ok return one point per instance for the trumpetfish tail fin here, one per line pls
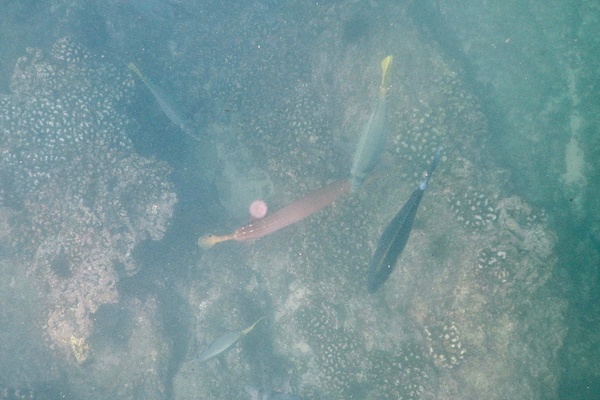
(208, 241)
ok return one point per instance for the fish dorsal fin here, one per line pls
(249, 329)
(385, 66)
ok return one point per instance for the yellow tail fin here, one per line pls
(385, 65)
(137, 71)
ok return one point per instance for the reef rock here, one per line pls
(457, 317)
(81, 199)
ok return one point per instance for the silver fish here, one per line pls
(224, 342)
(166, 105)
(374, 138)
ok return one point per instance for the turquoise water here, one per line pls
(106, 294)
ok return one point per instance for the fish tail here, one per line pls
(208, 241)
(247, 330)
(385, 67)
(137, 71)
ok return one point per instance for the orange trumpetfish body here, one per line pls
(292, 213)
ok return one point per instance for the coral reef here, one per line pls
(136, 365)
(337, 352)
(471, 310)
(444, 345)
(473, 208)
(425, 333)
(478, 259)
(402, 375)
(82, 199)
(493, 266)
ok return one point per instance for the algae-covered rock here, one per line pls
(479, 260)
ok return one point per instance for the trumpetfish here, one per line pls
(395, 236)
(374, 137)
(292, 213)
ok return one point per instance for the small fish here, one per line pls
(374, 138)
(395, 236)
(290, 214)
(260, 394)
(166, 104)
(224, 342)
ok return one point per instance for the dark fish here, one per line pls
(393, 240)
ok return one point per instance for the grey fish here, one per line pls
(166, 104)
(395, 236)
(260, 394)
(374, 138)
(224, 342)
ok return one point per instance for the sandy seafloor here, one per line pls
(494, 296)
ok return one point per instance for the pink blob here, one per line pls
(258, 209)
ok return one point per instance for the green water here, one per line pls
(495, 295)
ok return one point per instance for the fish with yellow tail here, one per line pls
(166, 104)
(290, 214)
(225, 342)
(374, 137)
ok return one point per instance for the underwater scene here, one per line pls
(299, 199)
